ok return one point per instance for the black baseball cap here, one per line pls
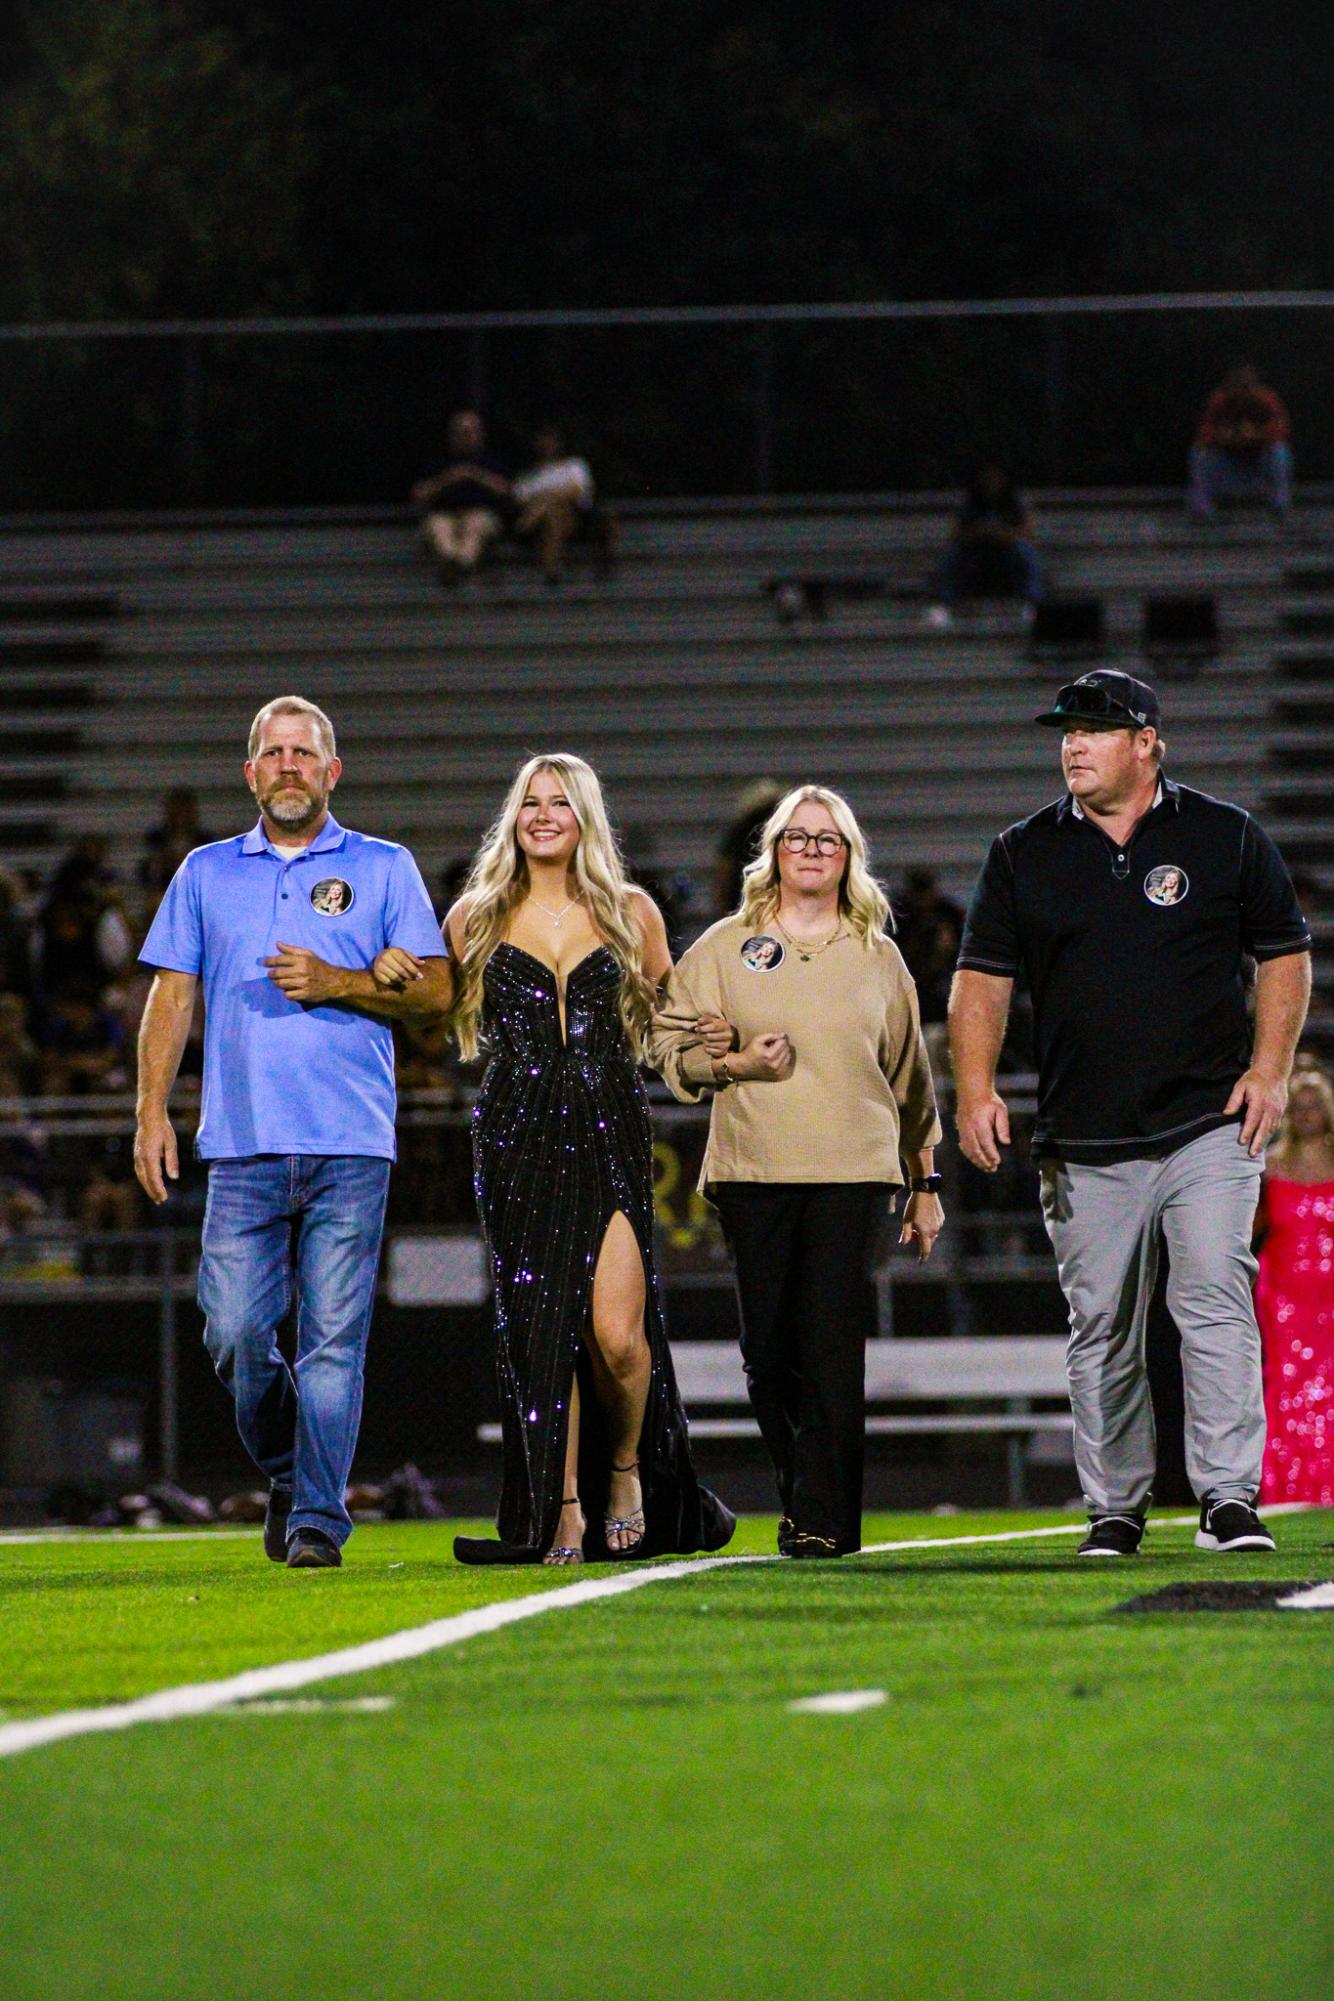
(1117, 701)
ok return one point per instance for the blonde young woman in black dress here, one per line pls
(556, 960)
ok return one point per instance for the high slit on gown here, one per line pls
(561, 1142)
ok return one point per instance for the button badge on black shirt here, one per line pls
(1166, 884)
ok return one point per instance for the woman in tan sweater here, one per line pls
(825, 1092)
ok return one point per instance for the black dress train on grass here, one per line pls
(561, 1142)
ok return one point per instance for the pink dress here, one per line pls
(1294, 1303)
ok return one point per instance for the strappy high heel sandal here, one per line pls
(632, 1524)
(561, 1555)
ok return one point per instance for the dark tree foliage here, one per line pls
(166, 158)
(148, 165)
(487, 153)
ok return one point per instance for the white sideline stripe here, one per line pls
(1320, 1598)
(839, 1702)
(203, 1698)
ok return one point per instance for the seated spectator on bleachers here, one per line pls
(20, 1061)
(110, 1198)
(467, 503)
(83, 932)
(928, 929)
(671, 892)
(177, 833)
(992, 553)
(450, 884)
(1241, 449)
(15, 936)
(557, 504)
(82, 1045)
(739, 840)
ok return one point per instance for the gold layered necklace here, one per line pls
(807, 948)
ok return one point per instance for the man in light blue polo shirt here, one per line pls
(283, 925)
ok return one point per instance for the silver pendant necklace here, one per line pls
(557, 916)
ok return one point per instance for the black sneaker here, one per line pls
(311, 1549)
(1226, 1525)
(1113, 1535)
(275, 1524)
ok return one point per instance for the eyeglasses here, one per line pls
(796, 840)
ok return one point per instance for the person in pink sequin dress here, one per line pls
(1294, 1297)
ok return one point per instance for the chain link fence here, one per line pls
(862, 397)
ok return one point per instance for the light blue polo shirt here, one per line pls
(280, 1077)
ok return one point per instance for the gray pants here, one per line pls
(1105, 1225)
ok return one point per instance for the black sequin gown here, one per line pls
(561, 1141)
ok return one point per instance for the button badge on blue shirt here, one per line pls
(332, 897)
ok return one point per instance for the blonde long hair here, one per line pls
(498, 882)
(861, 900)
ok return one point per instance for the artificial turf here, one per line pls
(614, 1799)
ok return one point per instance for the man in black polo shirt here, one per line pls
(1131, 906)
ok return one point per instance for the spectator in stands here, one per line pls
(20, 1062)
(739, 840)
(83, 1045)
(450, 884)
(110, 1198)
(1241, 449)
(555, 497)
(83, 931)
(168, 843)
(671, 892)
(22, 1211)
(467, 503)
(15, 936)
(992, 553)
(928, 928)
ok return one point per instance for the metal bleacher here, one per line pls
(132, 657)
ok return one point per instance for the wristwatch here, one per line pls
(927, 1184)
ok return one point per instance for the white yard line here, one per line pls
(1320, 1598)
(839, 1702)
(203, 1698)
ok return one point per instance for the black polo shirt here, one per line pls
(1134, 959)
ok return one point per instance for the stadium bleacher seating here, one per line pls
(132, 657)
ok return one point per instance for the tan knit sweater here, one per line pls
(861, 1092)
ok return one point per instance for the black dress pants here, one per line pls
(804, 1254)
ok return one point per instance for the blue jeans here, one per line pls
(325, 1214)
(1264, 474)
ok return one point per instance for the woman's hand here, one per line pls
(923, 1220)
(395, 968)
(717, 1035)
(765, 1059)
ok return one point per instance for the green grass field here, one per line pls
(614, 1799)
